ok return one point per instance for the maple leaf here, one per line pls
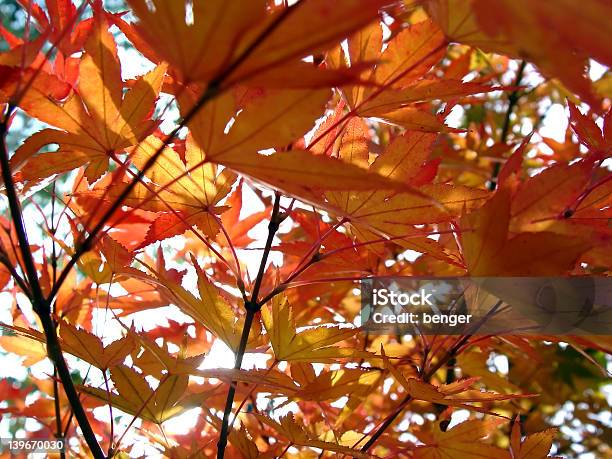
(458, 393)
(331, 385)
(78, 342)
(139, 296)
(211, 309)
(89, 347)
(23, 342)
(156, 360)
(515, 28)
(62, 17)
(474, 363)
(313, 344)
(488, 248)
(394, 215)
(534, 446)
(183, 193)
(288, 428)
(101, 267)
(135, 396)
(96, 122)
(268, 380)
(541, 199)
(232, 42)
(400, 78)
(464, 441)
(270, 118)
(239, 439)
(184, 198)
(596, 140)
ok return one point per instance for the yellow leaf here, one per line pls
(403, 158)
(534, 446)
(457, 394)
(97, 120)
(331, 385)
(376, 214)
(463, 441)
(270, 380)
(24, 343)
(100, 79)
(272, 119)
(543, 197)
(135, 107)
(313, 344)
(210, 310)
(89, 347)
(485, 232)
(240, 41)
(173, 184)
(410, 54)
(198, 48)
(240, 440)
(305, 175)
(136, 397)
(296, 434)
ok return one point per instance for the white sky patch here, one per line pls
(555, 123)
(455, 117)
(501, 364)
(596, 70)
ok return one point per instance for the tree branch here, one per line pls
(58, 412)
(39, 303)
(252, 307)
(513, 99)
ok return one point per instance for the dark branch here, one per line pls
(39, 303)
(252, 307)
(513, 99)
